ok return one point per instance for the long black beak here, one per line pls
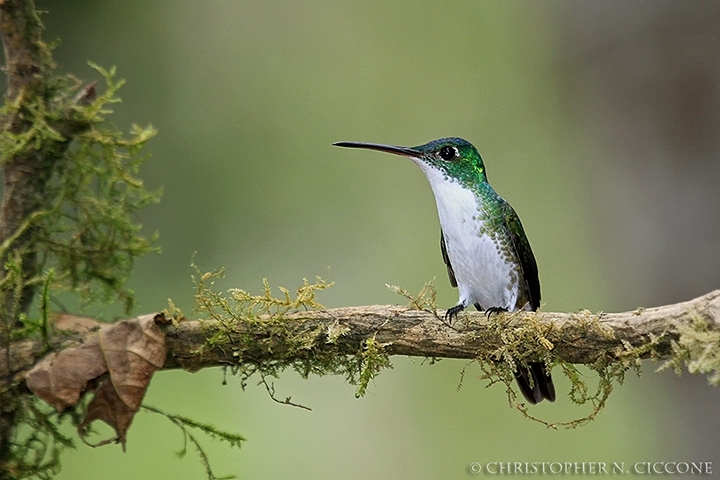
(404, 151)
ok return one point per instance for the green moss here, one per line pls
(82, 237)
(697, 349)
(38, 442)
(84, 227)
(373, 359)
(424, 300)
(274, 341)
(525, 338)
(91, 237)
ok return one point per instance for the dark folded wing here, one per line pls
(446, 259)
(524, 254)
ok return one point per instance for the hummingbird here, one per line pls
(483, 244)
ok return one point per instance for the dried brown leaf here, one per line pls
(60, 378)
(130, 351)
(107, 406)
(134, 350)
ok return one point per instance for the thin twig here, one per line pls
(271, 392)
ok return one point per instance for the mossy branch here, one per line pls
(683, 334)
(579, 338)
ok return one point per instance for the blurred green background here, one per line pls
(597, 121)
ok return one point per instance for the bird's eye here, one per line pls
(448, 153)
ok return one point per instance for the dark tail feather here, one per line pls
(542, 384)
(544, 380)
(531, 394)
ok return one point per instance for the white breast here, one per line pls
(483, 273)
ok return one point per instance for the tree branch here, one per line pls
(579, 338)
(582, 338)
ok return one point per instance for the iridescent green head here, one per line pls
(455, 158)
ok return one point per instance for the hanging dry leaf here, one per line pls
(134, 350)
(107, 406)
(130, 351)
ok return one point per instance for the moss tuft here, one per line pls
(424, 300)
(266, 341)
(697, 349)
(373, 359)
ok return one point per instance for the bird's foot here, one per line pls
(453, 312)
(495, 310)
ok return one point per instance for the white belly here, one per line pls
(484, 274)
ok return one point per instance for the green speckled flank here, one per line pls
(493, 208)
(493, 213)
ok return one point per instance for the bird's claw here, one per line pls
(495, 310)
(453, 312)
